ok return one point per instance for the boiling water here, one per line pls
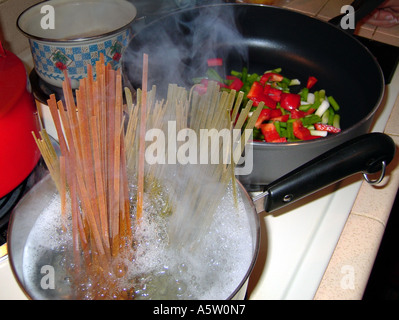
(212, 269)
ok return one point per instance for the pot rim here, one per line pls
(247, 198)
(78, 39)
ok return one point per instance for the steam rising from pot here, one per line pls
(180, 45)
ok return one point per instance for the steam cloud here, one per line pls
(179, 44)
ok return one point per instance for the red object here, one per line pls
(310, 111)
(256, 90)
(290, 101)
(273, 93)
(236, 84)
(117, 56)
(270, 133)
(60, 65)
(256, 94)
(297, 114)
(326, 127)
(283, 139)
(215, 62)
(300, 131)
(271, 76)
(268, 114)
(18, 151)
(2, 51)
(311, 82)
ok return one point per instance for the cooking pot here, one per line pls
(18, 151)
(262, 38)
(368, 154)
(70, 34)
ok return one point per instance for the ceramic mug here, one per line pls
(70, 34)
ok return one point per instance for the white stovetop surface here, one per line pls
(296, 242)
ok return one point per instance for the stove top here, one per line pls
(42, 89)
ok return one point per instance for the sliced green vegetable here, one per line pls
(333, 103)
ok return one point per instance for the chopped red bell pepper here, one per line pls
(311, 82)
(326, 127)
(310, 111)
(236, 84)
(269, 102)
(300, 131)
(283, 139)
(273, 93)
(313, 137)
(290, 101)
(256, 95)
(275, 113)
(267, 114)
(263, 116)
(269, 132)
(271, 76)
(215, 62)
(297, 114)
(256, 90)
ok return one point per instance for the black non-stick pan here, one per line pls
(263, 38)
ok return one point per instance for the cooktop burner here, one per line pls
(42, 89)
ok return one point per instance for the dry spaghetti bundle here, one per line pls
(90, 173)
(102, 175)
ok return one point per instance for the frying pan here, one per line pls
(263, 38)
(364, 154)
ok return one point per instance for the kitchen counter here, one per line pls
(324, 246)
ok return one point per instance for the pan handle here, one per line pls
(362, 154)
(362, 9)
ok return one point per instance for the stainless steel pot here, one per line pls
(368, 154)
